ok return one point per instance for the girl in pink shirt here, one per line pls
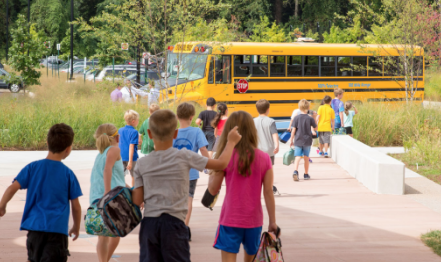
(219, 121)
(241, 218)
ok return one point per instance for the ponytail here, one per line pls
(348, 105)
(221, 111)
(104, 136)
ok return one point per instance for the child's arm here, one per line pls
(269, 200)
(215, 182)
(76, 215)
(222, 162)
(204, 152)
(276, 143)
(7, 196)
(215, 132)
(355, 109)
(290, 123)
(332, 124)
(291, 139)
(341, 119)
(138, 196)
(317, 119)
(112, 155)
(313, 131)
(131, 152)
(198, 121)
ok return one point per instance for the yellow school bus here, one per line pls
(239, 74)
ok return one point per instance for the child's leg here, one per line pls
(193, 184)
(297, 162)
(102, 249)
(210, 154)
(326, 147)
(306, 164)
(113, 244)
(228, 257)
(248, 258)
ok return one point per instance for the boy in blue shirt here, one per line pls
(338, 107)
(128, 141)
(191, 138)
(50, 186)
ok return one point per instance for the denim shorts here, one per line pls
(302, 150)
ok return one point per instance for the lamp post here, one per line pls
(7, 29)
(71, 37)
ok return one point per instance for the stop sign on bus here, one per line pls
(242, 86)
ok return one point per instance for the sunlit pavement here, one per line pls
(329, 218)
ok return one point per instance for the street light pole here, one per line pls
(71, 37)
(7, 29)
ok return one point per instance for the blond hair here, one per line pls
(348, 106)
(130, 115)
(303, 105)
(338, 91)
(104, 136)
(162, 124)
(153, 108)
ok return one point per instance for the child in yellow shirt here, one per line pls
(326, 123)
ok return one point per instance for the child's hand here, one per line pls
(314, 133)
(276, 150)
(234, 136)
(291, 143)
(75, 232)
(272, 227)
(129, 166)
(2, 211)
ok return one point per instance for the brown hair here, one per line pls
(348, 106)
(338, 91)
(303, 105)
(246, 146)
(221, 111)
(327, 99)
(162, 124)
(211, 101)
(262, 106)
(104, 135)
(153, 108)
(185, 111)
(59, 137)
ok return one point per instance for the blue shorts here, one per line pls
(302, 150)
(228, 239)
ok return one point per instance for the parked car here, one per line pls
(150, 75)
(121, 72)
(51, 61)
(14, 88)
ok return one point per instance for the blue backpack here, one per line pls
(285, 137)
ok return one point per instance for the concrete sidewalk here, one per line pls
(329, 218)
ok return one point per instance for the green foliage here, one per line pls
(348, 35)
(432, 239)
(312, 35)
(21, 43)
(263, 32)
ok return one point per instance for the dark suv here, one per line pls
(14, 88)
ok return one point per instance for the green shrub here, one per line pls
(433, 240)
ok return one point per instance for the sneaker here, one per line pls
(326, 155)
(206, 171)
(295, 176)
(310, 160)
(306, 177)
(320, 153)
(189, 234)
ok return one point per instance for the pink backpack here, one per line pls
(270, 249)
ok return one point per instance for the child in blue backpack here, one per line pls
(50, 187)
(107, 173)
(191, 138)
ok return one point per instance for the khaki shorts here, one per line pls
(325, 137)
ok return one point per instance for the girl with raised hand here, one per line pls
(107, 173)
(241, 218)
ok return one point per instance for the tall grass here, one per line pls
(432, 86)
(390, 125)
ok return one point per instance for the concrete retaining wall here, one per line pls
(379, 172)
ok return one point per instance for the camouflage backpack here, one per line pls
(119, 213)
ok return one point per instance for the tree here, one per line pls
(19, 60)
(407, 32)
(263, 32)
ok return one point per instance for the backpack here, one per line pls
(285, 137)
(119, 213)
(270, 249)
(289, 157)
(94, 223)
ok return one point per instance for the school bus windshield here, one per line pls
(186, 66)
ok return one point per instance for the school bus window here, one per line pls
(359, 66)
(260, 66)
(277, 66)
(375, 66)
(294, 65)
(242, 65)
(343, 66)
(392, 66)
(311, 66)
(328, 66)
(210, 71)
(418, 66)
(222, 69)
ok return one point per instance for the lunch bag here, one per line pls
(119, 213)
(288, 157)
(270, 249)
(208, 200)
(94, 223)
(285, 137)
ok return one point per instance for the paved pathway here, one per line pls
(330, 218)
